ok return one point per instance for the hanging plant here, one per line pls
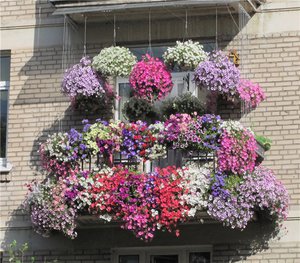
(184, 55)
(114, 61)
(251, 93)
(85, 88)
(218, 74)
(139, 109)
(237, 151)
(185, 103)
(150, 79)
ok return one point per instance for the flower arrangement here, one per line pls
(186, 55)
(149, 202)
(114, 61)
(150, 79)
(202, 134)
(251, 93)
(49, 210)
(139, 142)
(237, 151)
(82, 83)
(175, 126)
(185, 103)
(159, 200)
(139, 109)
(82, 80)
(218, 74)
(233, 199)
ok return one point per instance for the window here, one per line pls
(178, 254)
(183, 81)
(4, 93)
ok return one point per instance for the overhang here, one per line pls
(63, 7)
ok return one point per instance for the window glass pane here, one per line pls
(125, 94)
(199, 257)
(164, 259)
(129, 259)
(3, 123)
(4, 68)
(160, 49)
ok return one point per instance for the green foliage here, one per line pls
(232, 181)
(186, 103)
(17, 252)
(139, 109)
(264, 141)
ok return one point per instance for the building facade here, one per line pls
(40, 39)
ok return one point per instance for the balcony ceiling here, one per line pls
(98, 10)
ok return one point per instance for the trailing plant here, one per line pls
(85, 88)
(114, 61)
(139, 109)
(184, 55)
(251, 93)
(150, 79)
(237, 151)
(265, 142)
(185, 103)
(218, 74)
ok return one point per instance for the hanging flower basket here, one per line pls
(114, 61)
(218, 74)
(146, 202)
(150, 79)
(251, 93)
(184, 56)
(85, 88)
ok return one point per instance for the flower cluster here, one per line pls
(144, 202)
(150, 79)
(218, 74)
(237, 151)
(102, 137)
(114, 61)
(138, 141)
(202, 134)
(81, 80)
(175, 126)
(49, 209)
(233, 199)
(250, 93)
(186, 55)
(265, 192)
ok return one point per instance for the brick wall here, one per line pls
(274, 62)
(37, 108)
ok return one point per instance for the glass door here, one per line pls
(164, 259)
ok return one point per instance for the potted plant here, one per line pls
(218, 74)
(114, 61)
(84, 86)
(150, 79)
(184, 56)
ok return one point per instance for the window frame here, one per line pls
(176, 76)
(144, 253)
(5, 166)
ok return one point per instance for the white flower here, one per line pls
(114, 61)
(186, 54)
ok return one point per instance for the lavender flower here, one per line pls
(82, 80)
(218, 74)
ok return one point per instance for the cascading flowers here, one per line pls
(185, 55)
(218, 74)
(237, 151)
(114, 61)
(82, 83)
(251, 93)
(150, 79)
